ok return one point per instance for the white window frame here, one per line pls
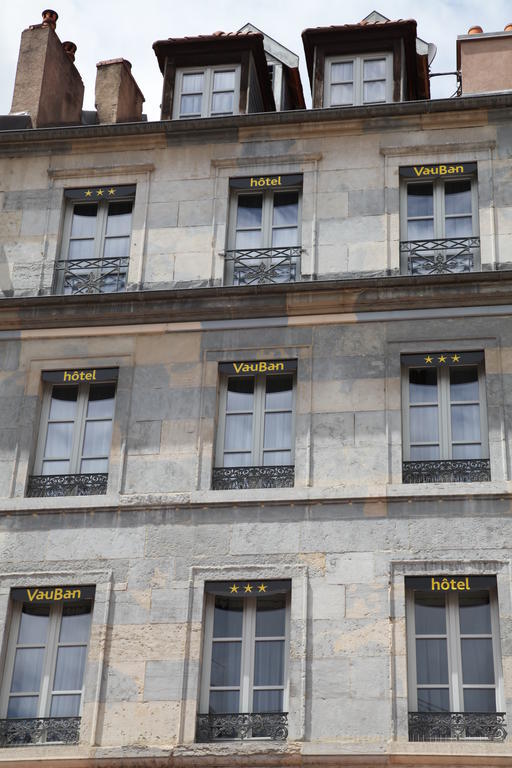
(207, 92)
(52, 646)
(443, 410)
(258, 420)
(357, 81)
(453, 638)
(79, 426)
(247, 654)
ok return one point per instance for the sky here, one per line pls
(109, 29)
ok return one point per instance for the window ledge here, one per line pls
(456, 726)
(18, 732)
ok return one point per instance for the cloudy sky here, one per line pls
(107, 29)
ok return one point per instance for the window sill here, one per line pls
(241, 726)
(18, 732)
(91, 484)
(242, 478)
(457, 726)
(447, 471)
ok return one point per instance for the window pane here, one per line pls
(192, 82)
(119, 221)
(431, 661)
(374, 69)
(278, 431)
(97, 438)
(28, 666)
(471, 451)
(342, 72)
(464, 384)
(374, 91)
(277, 458)
(55, 468)
(84, 220)
(278, 392)
(248, 239)
(475, 614)
(59, 439)
(465, 422)
(224, 81)
(479, 700)
(283, 238)
(238, 432)
(226, 663)
(238, 459)
(423, 385)
(223, 702)
(249, 211)
(457, 197)
(342, 94)
(240, 393)
(65, 706)
(80, 249)
(222, 103)
(286, 205)
(420, 201)
(94, 465)
(267, 701)
(477, 660)
(33, 624)
(430, 615)
(227, 620)
(270, 616)
(22, 706)
(101, 400)
(420, 229)
(424, 452)
(269, 662)
(69, 671)
(116, 248)
(423, 424)
(433, 700)
(190, 105)
(76, 620)
(459, 226)
(63, 402)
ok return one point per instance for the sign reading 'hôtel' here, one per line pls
(267, 181)
(78, 375)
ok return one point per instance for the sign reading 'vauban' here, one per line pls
(78, 375)
(259, 366)
(267, 181)
(443, 169)
(52, 594)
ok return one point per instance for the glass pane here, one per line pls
(342, 94)
(248, 239)
(267, 701)
(226, 663)
(278, 392)
(477, 660)
(277, 458)
(374, 91)
(190, 105)
(423, 424)
(249, 211)
(475, 614)
(22, 706)
(238, 459)
(116, 248)
(467, 451)
(69, 671)
(84, 220)
(423, 385)
(65, 706)
(55, 468)
(94, 465)
(222, 103)
(286, 206)
(80, 249)
(192, 82)
(227, 620)
(97, 438)
(465, 422)
(101, 400)
(119, 221)
(431, 661)
(240, 393)
(464, 384)
(433, 700)
(33, 624)
(430, 615)
(59, 439)
(479, 700)
(63, 402)
(374, 69)
(457, 197)
(224, 81)
(269, 662)
(424, 452)
(278, 431)
(223, 702)
(270, 616)
(284, 238)
(28, 666)
(420, 229)
(238, 432)
(420, 201)
(459, 226)
(342, 72)
(74, 627)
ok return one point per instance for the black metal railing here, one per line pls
(241, 478)
(39, 730)
(250, 266)
(236, 726)
(88, 484)
(447, 471)
(78, 276)
(454, 726)
(441, 256)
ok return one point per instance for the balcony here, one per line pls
(442, 256)
(455, 726)
(447, 471)
(39, 730)
(244, 478)
(258, 266)
(239, 726)
(67, 485)
(86, 276)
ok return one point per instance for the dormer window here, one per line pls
(357, 80)
(207, 92)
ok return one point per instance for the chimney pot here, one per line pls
(475, 30)
(508, 28)
(49, 18)
(70, 49)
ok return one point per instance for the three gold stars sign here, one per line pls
(442, 359)
(248, 587)
(92, 194)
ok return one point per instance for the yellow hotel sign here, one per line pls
(432, 171)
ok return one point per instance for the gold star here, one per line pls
(428, 359)
(234, 588)
(88, 193)
(99, 192)
(262, 588)
(455, 358)
(111, 191)
(442, 358)
(248, 588)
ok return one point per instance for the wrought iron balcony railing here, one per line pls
(255, 266)
(447, 471)
(39, 730)
(67, 485)
(442, 256)
(79, 276)
(264, 725)
(242, 478)
(454, 726)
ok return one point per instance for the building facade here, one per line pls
(256, 426)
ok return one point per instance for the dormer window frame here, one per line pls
(358, 80)
(208, 90)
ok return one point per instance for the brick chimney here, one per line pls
(484, 60)
(118, 97)
(48, 85)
